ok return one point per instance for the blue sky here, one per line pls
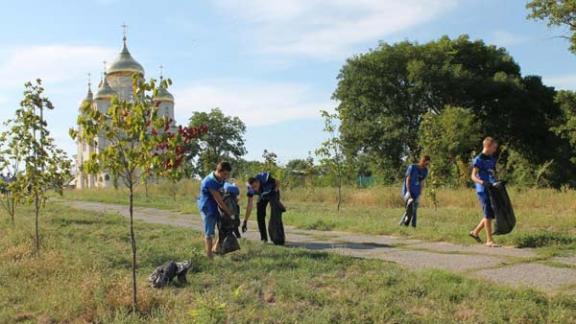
(273, 63)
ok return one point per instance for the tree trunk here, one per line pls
(12, 207)
(36, 225)
(146, 188)
(133, 243)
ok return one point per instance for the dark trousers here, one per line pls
(261, 218)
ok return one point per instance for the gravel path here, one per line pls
(508, 266)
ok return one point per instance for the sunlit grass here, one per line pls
(541, 213)
(82, 275)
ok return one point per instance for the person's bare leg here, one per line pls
(208, 243)
(489, 238)
(480, 226)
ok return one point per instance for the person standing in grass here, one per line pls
(210, 199)
(484, 176)
(268, 190)
(412, 187)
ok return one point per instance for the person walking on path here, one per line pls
(484, 176)
(268, 190)
(210, 199)
(412, 187)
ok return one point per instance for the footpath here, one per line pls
(508, 266)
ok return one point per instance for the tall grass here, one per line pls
(377, 210)
(83, 277)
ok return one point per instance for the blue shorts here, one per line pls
(210, 221)
(486, 205)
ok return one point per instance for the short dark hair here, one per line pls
(251, 180)
(224, 166)
(425, 158)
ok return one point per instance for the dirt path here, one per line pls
(508, 266)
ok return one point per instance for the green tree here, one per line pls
(225, 141)
(557, 13)
(44, 166)
(9, 166)
(330, 153)
(140, 140)
(567, 126)
(450, 138)
(385, 93)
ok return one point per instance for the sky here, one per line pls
(273, 63)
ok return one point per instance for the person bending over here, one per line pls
(210, 199)
(268, 190)
(413, 185)
(484, 176)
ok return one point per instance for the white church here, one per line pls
(116, 81)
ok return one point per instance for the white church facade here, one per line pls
(116, 82)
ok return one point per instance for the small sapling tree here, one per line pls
(139, 140)
(43, 165)
(330, 152)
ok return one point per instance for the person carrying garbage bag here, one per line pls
(412, 187)
(492, 195)
(268, 190)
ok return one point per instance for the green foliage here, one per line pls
(450, 138)
(556, 13)
(225, 141)
(567, 126)
(385, 93)
(38, 165)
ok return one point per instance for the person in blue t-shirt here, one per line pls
(268, 190)
(210, 199)
(413, 185)
(484, 176)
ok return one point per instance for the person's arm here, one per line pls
(276, 185)
(218, 197)
(408, 185)
(249, 207)
(422, 185)
(474, 176)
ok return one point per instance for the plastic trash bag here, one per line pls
(503, 211)
(275, 225)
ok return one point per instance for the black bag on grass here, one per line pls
(164, 274)
(503, 211)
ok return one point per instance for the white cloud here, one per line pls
(328, 28)
(53, 63)
(564, 82)
(256, 103)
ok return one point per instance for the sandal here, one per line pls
(475, 237)
(493, 245)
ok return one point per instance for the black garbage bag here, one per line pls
(503, 211)
(409, 213)
(164, 274)
(275, 225)
(227, 241)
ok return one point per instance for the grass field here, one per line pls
(546, 217)
(82, 275)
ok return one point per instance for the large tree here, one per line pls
(560, 13)
(450, 137)
(224, 141)
(384, 94)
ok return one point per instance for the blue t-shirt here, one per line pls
(486, 169)
(267, 185)
(206, 202)
(417, 175)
